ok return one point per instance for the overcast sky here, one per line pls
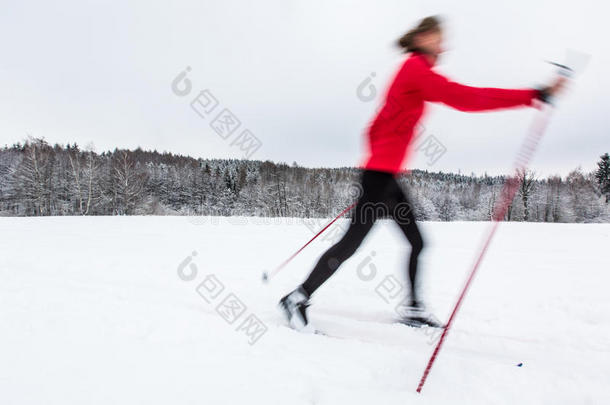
(101, 72)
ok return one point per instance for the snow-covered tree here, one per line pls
(602, 175)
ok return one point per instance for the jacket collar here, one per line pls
(423, 56)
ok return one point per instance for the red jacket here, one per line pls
(392, 129)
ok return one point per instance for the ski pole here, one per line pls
(268, 276)
(508, 192)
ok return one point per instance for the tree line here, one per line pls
(39, 179)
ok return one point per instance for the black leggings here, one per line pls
(381, 197)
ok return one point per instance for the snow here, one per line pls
(92, 310)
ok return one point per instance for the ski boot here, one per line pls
(415, 315)
(295, 306)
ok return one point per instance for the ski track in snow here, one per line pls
(93, 311)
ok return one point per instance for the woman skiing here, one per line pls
(389, 138)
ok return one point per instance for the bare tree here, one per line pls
(83, 176)
(553, 200)
(527, 180)
(128, 183)
(32, 177)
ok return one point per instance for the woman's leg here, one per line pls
(369, 207)
(403, 214)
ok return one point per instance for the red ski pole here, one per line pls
(508, 192)
(268, 276)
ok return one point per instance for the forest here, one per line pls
(39, 179)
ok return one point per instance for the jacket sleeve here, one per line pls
(438, 88)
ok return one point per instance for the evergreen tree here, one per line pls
(602, 175)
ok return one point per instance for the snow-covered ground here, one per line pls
(119, 310)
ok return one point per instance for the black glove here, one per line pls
(544, 94)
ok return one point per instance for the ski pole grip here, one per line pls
(563, 70)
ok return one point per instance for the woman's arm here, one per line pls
(438, 88)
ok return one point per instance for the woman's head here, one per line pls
(426, 37)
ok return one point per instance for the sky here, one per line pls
(100, 73)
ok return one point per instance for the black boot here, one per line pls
(414, 314)
(295, 308)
